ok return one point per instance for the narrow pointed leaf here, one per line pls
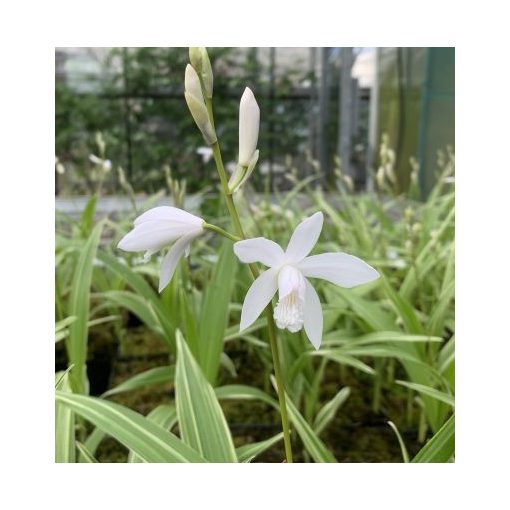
(148, 440)
(403, 449)
(65, 448)
(214, 312)
(442, 445)
(248, 452)
(148, 378)
(165, 416)
(79, 306)
(430, 392)
(201, 421)
(329, 410)
(313, 444)
(85, 454)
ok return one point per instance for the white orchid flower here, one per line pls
(298, 304)
(159, 227)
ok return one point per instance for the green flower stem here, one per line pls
(269, 309)
(219, 230)
(279, 382)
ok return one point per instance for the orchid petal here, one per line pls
(152, 236)
(304, 238)
(289, 280)
(313, 319)
(173, 256)
(338, 268)
(258, 297)
(171, 214)
(259, 249)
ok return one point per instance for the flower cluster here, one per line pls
(288, 271)
(298, 303)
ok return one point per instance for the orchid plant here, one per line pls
(298, 305)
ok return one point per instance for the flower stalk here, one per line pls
(271, 327)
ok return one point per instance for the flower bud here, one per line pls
(249, 120)
(195, 57)
(199, 59)
(196, 104)
(207, 74)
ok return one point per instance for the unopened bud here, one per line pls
(207, 74)
(195, 57)
(196, 104)
(249, 121)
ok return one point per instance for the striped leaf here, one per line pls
(214, 312)
(165, 416)
(442, 445)
(65, 448)
(150, 441)
(79, 306)
(151, 377)
(248, 452)
(201, 421)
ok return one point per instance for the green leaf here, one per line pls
(65, 448)
(430, 392)
(403, 308)
(370, 312)
(242, 392)
(390, 337)
(92, 443)
(214, 312)
(314, 446)
(403, 449)
(329, 410)
(148, 378)
(143, 290)
(441, 447)
(87, 217)
(135, 304)
(201, 420)
(248, 452)
(79, 306)
(85, 454)
(344, 359)
(165, 416)
(439, 312)
(148, 440)
(60, 325)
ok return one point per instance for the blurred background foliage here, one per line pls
(317, 104)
